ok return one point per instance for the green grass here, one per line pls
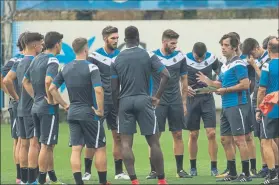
(63, 170)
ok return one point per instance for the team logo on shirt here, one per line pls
(174, 60)
(206, 63)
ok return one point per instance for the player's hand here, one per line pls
(185, 109)
(66, 107)
(98, 112)
(202, 78)
(50, 102)
(221, 91)
(258, 116)
(155, 101)
(191, 92)
(251, 60)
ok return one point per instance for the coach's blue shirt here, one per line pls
(270, 80)
(231, 73)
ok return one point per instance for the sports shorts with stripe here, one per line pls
(269, 128)
(14, 119)
(234, 120)
(84, 132)
(47, 128)
(133, 109)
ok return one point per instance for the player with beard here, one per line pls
(102, 58)
(172, 105)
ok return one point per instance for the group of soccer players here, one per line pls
(148, 88)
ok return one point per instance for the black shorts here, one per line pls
(251, 118)
(200, 106)
(139, 109)
(90, 133)
(175, 115)
(27, 128)
(269, 128)
(234, 121)
(47, 128)
(110, 116)
(14, 120)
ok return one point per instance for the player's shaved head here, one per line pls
(79, 44)
(199, 49)
(109, 30)
(273, 46)
(170, 34)
(266, 40)
(131, 33)
(249, 45)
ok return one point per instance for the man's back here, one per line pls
(43, 65)
(25, 100)
(133, 67)
(80, 77)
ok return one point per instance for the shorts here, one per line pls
(257, 126)
(14, 120)
(110, 116)
(90, 133)
(47, 128)
(27, 128)
(251, 118)
(175, 115)
(269, 128)
(234, 121)
(200, 106)
(139, 109)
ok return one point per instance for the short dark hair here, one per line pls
(234, 42)
(248, 45)
(20, 43)
(32, 37)
(235, 34)
(273, 46)
(52, 38)
(170, 34)
(266, 40)
(109, 30)
(131, 33)
(78, 44)
(199, 48)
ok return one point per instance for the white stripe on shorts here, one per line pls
(98, 134)
(51, 129)
(264, 128)
(242, 121)
(14, 123)
(155, 124)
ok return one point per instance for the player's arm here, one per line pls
(3, 87)
(8, 82)
(115, 86)
(99, 91)
(57, 82)
(52, 70)
(242, 76)
(158, 67)
(263, 83)
(216, 66)
(252, 62)
(184, 83)
(26, 83)
(202, 78)
(4, 71)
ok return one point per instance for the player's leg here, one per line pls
(88, 158)
(270, 129)
(176, 124)
(94, 138)
(161, 116)
(118, 161)
(237, 117)
(23, 153)
(276, 155)
(209, 119)
(192, 123)
(77, 143)
(226, 141)
(146, 118)
(127, 128)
